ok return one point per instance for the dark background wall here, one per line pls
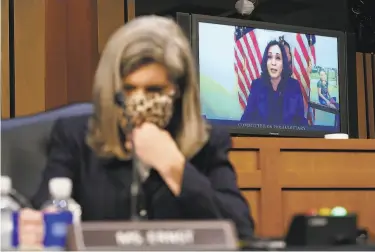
(323, 14)
(331, 14)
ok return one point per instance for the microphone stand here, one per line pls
(135, 188)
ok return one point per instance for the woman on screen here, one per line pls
(275, 97)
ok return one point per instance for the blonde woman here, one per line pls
(149, 62)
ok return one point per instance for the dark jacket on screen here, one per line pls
(281, 107)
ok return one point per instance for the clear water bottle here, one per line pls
(60, 190)
(8, 206)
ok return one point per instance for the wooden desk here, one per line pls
(283, 176)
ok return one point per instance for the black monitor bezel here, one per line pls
(342, 69)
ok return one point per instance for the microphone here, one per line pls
(136, 191)
(119, 99)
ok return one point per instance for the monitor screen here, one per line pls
(273, 80)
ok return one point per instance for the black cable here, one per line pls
(20, 199)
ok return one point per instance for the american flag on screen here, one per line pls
(247, 61)
(304, 59)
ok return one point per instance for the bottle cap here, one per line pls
(324, 211)
(6, 184)
(60, 188)
(339, 211)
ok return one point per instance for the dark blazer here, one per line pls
(283, 106)
(102, 186)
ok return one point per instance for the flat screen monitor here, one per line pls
(269, 79)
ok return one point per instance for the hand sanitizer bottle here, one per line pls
(8, 206)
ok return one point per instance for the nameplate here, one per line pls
(153, 235)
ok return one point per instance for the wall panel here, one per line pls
(253, 198)
(5, 102)
(56, 50)
(110, 18)
(361, 93)
(298, 174)
(57, 46)
(130, 7)
(246, 163)
(82, 52)
(370, 87)
(29, 56)
(55, 53)
(366, 94)
(316, 169)
(71, 51)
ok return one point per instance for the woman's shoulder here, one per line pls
(257, 82)
(219, 141)
(72, 128)
(219, 135)
(293, 83)
(215, 149)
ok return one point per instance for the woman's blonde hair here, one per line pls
(145, 38)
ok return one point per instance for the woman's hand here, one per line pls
(156, 148)
(331, 105)
(30, 229)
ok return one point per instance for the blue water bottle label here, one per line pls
(56, 229)
(34, 230)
